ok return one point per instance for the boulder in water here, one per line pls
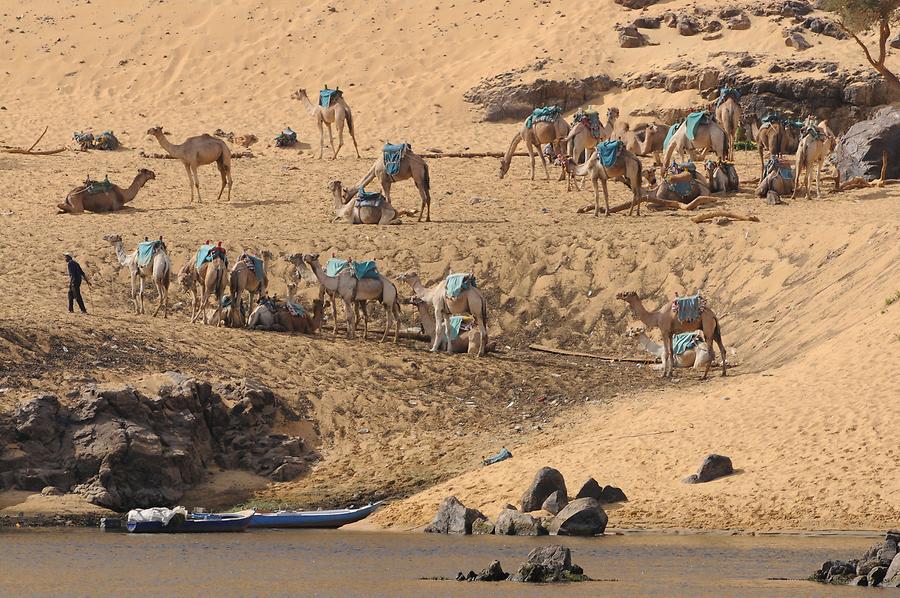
(453, 517)
(555, 502)
(514, 523)
(581, 517)
(546, 481)
(859, 150)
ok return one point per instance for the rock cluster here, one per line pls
(121, 449)
(544, 565)
(453, 517)
(879, 566)
(859, 151)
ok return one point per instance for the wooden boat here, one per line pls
(330, 519)
(195, 523)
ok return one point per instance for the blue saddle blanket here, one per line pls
(784, 170)
(669, 135)
(683, 188)
(683, 342)
(259, 268)
(457, 283)
(684, 167)
(503, 455)
(458, 325)
(203, 255)
(366, 269)
(326, 96)
(365, 199)
(146, 249)
(725, 93)
(608, 152)
(545, 114)
(295, 309)
(694, 120)
(393, 154)
(688, 308)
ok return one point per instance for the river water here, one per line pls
(83, 562)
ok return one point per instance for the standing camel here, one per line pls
(581, 138)
(213, 276)
(114, 198)
(728, 115)
(336, 114)
(707, 136)
(468, 301)
(411, 166)
(536, 136)
(189, 280)
(626, 165)
(666, 319)
(468, 340)
(159, 267)
(199, 151)
(814, 148)
(242, 278)
(768, 140)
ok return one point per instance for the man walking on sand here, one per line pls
(76, 275)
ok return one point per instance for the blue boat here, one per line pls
(195, 523)
(330, 519)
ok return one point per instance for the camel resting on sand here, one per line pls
(114, 198)
(468, 341)
(271, 315)
(626, 165)
(159, 268)
(666, 319)
(696, 357)
(411, 166)
(540, 134)
(336, 114)
(348, 209)
(722, 177)
(199, 151)
(243, 279)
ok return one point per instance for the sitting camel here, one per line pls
(199, 151)
(647, 141)
(270, 315)
(468, 340)
(213, 276)
(667, 191)
(351, 211)
(336, 114)
(539, 134)
(243, 279)
(722, 176)
(814, 147)
(666, 319)
(777, 179)
(693, 357)
(626, 165)
(469, 301)
(95, 198)
(709, 136)
(159, 267)
(411, 166)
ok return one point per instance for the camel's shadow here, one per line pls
(262, 202)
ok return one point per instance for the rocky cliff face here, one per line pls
(121, 449)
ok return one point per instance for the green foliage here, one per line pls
(861, 15)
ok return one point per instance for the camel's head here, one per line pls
(155, 131)
(147, 174)
(337, 190)
(627, 296)
(113, 238)
(414, 300)
(310, 258)
(612, 114)
(649, 175)
(408, 277)
(299, 94)
(504, 167)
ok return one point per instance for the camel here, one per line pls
(270, 315)
(347, 209)
(80, 200)
(537, 136)
(335, 114)
(768, 139)
(213, 275)
(646, 141)
(469, 301)
(242, 279)
(722, 176)
(580, 137)
(626, 165)
(708, 136)
(199, 151)
(666, 191)
(159, 269)
(814, 147)
(728, 115)
(775, 181)
(696, 357)
(668, 323)
(468, 341)
(352, 290)
(411, 166)
(188, 280)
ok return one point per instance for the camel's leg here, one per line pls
(353, 137)
(141, 296)
(438, 328)
(667, 352)
(351, 319)
(426, 201)
(331, 142)
(159, 291)
(196, 181)
(605, 194)
(543, 162)
(340, 131)
(389, 318)
(717, 336)
(397, 315)
(187, 168)
(321, 136)
(818, 177)
(225, 181)
(806, 182)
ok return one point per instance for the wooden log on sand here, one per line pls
(545, 349)
(665, 203)
(30, 151)
(724, 214)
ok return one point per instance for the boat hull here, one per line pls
(194, 525)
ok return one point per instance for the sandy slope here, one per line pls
(801, 295)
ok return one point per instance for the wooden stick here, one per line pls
(17, 150)
(28, 151)
(156, 156)
(471, 155)
(724, 214)
(545, 349)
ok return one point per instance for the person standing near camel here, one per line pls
(76, 275)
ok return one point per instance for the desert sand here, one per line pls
(807, 413)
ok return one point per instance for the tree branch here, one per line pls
(858, 41)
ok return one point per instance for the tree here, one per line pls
(860, 16)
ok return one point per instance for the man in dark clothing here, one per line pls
(76, 275)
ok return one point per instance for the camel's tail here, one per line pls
(426, 179)
(167, 276)
(349, 115)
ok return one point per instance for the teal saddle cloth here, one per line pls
(688, 308)
(366, 269)
(365, 199)
(683, 342)
(545, 114)
(694, 120)
(457, 283)
(608, 152)
(146, 249)
(393, 154)
(327, 96)
(205, 254)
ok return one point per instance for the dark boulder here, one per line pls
(824, 27)
(555, 502)
(611, 494)
(713, 26)
(482, 527)
(581, 517)
(859, 580)
(636, 3)
(546, 481)
(797, 41)
(630, 37)
(647, 22)
(741, 22)
(892, 575)
(590, 489)
(453, 517)
(514, 523)
(549, 564)
(876, 575)
(714, 466)
(688, 26)
(859, 150)
(493, 572)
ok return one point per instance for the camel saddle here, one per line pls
(457, 283)
(286, 138)
(393, 154)
(775, 165)
(685, 341)
(689, 308)
(694, 120)
(106, 141)
(460, 324)
(365, 199)
(590, 119)
(255, 264)
(146, 251)
(92, 187)
(545, 114)
(208, 253)
(84, 140)
(728, 92)
(608, 152)
(360, 270)
(295, 309)
(328, 96)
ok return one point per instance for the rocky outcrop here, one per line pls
(611, 494)
(581, 517)
(555, 502)
(514, 523)
(590, 489)
(795, 40)
(859, 150)
(121, 449)
(482, 527)
(824, 26)
(647, 22)
(546, 481)
(713, 467)
(878, 566)
(453, 517)
(549, 564)
(630, 37)
(635, 4)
